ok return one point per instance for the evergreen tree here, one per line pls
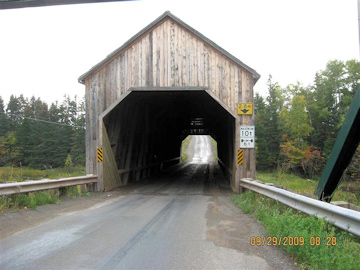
(40, 136)
(59, 135)
(15, 110)
(262, 151)
(333, 92)
(4, 119)
(78, 138)
(275, 102)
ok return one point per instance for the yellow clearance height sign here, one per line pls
(245, 108)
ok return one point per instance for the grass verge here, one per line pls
(36, 198)
(305, 186)
(214, 144)
(184, 146)
(19, 174)
(30, 200)
(324, 246)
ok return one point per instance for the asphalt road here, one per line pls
(181, 219)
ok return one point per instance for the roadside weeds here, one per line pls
(315, 243)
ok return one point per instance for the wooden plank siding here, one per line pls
(166, 55)
(179, 59)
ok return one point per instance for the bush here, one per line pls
(68, 161)
(34, 199)
(30, 200)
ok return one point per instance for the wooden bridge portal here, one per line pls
(166, 82)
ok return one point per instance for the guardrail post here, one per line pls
(56, 191)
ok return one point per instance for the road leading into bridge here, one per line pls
(181, 219)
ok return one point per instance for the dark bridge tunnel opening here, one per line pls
(145, 130)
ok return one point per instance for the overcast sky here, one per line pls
(44, 50)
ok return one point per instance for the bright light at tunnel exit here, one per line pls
(199, 149)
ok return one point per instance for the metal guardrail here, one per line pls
(29, 186)
(346, 219)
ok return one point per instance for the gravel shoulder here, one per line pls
(14, 221)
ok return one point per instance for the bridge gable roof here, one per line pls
(154, 24)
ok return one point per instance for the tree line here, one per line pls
(40, 136)
(296, 126)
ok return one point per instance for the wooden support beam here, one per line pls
(130, 145)
(111, 177)
(142, 151)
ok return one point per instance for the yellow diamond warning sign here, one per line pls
(245, 108)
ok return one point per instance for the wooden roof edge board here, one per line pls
(168, 14)
(14, 4)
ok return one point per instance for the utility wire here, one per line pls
(44, 121)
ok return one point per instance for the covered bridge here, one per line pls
(166, 82)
